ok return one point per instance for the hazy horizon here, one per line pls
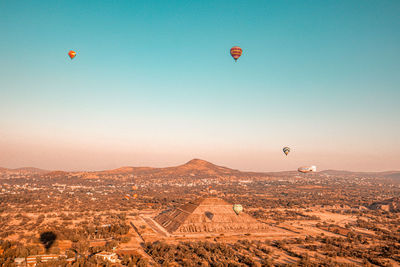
(153, 84)
(182, 163)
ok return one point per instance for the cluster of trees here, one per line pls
(134, 260)
(242, 253)
(67, 225)
(80, 251)
(12, 250)
(281, 216)
(114, 232)
(355, 246)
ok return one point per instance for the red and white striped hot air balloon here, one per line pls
(236, 52)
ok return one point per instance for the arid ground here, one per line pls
(182, 216)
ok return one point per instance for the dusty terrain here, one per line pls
(328, 218)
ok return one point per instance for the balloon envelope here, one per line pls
(72, 54)
(236, 52)
(307, 169)
(286, 150)
(237, 208)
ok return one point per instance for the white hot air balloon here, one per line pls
(307, 169)
(237, 208)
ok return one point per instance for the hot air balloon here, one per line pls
(236, 52)
(127, 197)
(134, 196)
(286, 150)
(72, 54)
(307, 169)
(237, 208)
(134, 187)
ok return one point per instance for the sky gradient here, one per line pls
(153, 84)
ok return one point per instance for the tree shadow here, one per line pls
(47, 239)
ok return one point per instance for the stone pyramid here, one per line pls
(207, 215)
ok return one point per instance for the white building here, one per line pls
(109, 256)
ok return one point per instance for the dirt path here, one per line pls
(136, 244)
(155, 226)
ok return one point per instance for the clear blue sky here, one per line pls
(153, 83)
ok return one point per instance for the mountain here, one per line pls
(56, 173)
(380, 174)
(199, 167)
(24, 170)
(195, 167)
(336, 172)
(31, 170)
(126, 170)
(394, 175)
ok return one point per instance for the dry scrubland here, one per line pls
(322, 219)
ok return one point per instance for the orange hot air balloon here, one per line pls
(236, 52)
(72, 54)
(135, 196)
